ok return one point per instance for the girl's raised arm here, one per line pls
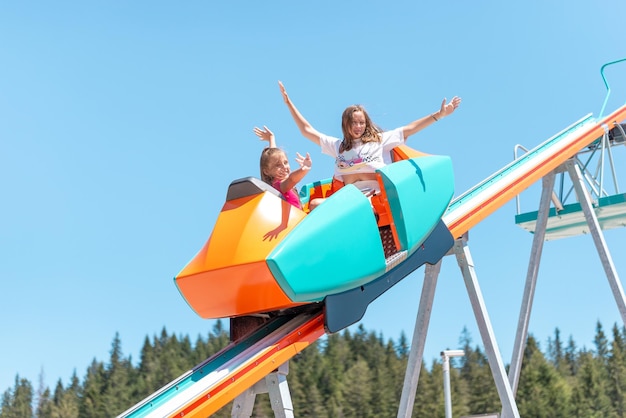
(303, 125)
(446, 110)
(266, 135)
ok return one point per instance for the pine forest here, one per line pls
(351, 374)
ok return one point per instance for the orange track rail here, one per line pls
(254, 370)
(475, 214)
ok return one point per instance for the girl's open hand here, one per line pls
(304, 162)
(265, 135)
(448, 108)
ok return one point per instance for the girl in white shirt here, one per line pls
(364, 147)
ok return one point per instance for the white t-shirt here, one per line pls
(363, 157)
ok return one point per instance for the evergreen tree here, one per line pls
(357, 393)
(350, 375)
(65, 402)
(556, 352)
(69, 404)
(601, 343)
(92, 404)
(169, 359)
(44, 404)
(147, 372)
(421, 399)
(617, 373)
(403, 348)
(542, 392)
(5, 405)
(482, 394)
(118, 390)
(43, 395)
(23, 398)
(589, 397)
(429, 395)
(356, 343)
(387, 381)
(380, 360)
(18, 403)
(337, 358)
(218, 339)
(571, 358)
(305, 371)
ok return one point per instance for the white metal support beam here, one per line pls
(416, 354)
(531, 282)
(598, 237)
(584, 198)
(276, 385)
(466, 264)
(411, 378)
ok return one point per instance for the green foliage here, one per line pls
(617, 372)
(542, 391)
(590, 397)
(18, 402)
(350, 375)
(482, 396)
(429, 395)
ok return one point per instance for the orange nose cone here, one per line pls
(229, 275)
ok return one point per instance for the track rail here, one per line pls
(482, 200)
(212, 384)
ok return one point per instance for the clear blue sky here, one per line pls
(122, 124)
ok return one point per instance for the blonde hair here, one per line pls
(266, 157)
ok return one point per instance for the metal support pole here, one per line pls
(445, 361)
(466, 265)
(531, 281)
(416, 354)
(278, 390)
(598, 237)
(275, 384)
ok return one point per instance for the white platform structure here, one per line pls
(594, 210)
